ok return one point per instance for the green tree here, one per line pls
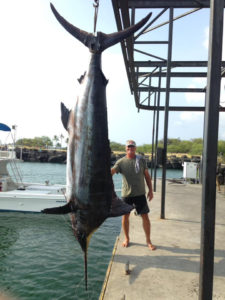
(221, 147)
(55, 139)
(145, 148)
(117, 146)
(196, 149)
(197, 141)
(39, 142)
(61, 138)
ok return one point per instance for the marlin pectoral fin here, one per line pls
(61, 210)
(65, 113)
(119, 207)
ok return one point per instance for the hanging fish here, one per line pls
(90, 192)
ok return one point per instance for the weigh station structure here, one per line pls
(152, 78)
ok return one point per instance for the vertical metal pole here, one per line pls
(153, 136)
(157, 130)
(210, 150)
(166, 117)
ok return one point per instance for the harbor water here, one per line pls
(39, 256)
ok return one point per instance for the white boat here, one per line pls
(17, 196)
(26, 197)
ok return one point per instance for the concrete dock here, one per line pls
(171, 271)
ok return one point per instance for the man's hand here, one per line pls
(150, 195)
(149, 184)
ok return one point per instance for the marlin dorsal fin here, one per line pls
(65, 113)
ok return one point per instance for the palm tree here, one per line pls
(61, 138)
(55, 139)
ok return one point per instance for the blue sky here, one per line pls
(40, 63)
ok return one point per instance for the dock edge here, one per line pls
(104, 286)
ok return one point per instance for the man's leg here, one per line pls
(125, 226)
(147, 229)
(218, 182)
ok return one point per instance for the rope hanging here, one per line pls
(96, 5)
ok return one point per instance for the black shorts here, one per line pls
(139, 203)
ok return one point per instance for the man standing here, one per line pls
(134, 173)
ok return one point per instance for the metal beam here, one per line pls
(177, 108)
(157, 132)
(174, 64)
(173, 74)
(168, 3)
(153, 135)
(172, 108)
(166, 116)
(177, 18)
(211, 124)
(123, 48)
(172, 90)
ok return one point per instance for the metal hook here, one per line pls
(96, 4)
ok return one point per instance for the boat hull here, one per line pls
(31, 200)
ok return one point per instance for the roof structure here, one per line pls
(146, 70)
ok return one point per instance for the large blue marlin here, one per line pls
(90, 192)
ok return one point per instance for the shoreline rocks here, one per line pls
(59, 156)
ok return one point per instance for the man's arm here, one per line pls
(149, 184)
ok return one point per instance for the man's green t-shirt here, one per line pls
(132, 170)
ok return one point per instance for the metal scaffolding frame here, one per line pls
(146, 83)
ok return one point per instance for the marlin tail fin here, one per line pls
(102, 41)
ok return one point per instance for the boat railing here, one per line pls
(10, 156)
(16, 172)
(7, 154)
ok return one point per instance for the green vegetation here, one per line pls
(117, 146)
(42, 142)
(191, 147)
(39, 142)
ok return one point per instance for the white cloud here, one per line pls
(40, 63)
(222, 125)
(206, 37)
(195, 98)
(200, 81)
(188, 116)
(177, 123)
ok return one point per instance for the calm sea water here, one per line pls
(39, 256)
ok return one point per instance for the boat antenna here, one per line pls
(14, 127)
(96, 5)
